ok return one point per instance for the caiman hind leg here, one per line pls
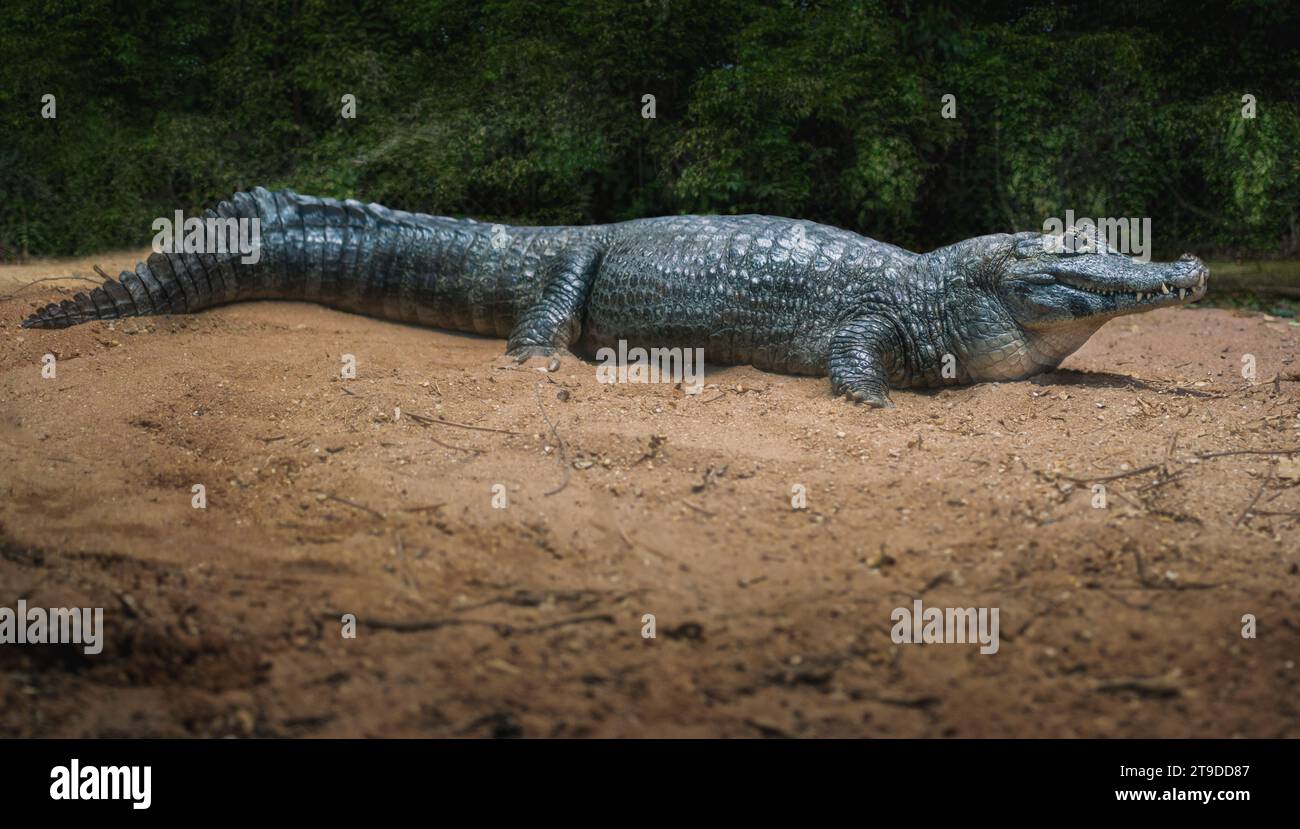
(554, 323)
(862, 354)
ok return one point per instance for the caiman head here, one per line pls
(1021, 303)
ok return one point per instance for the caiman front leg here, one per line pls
(554, 322)
(862, 354)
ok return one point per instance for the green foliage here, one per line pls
(530, 112)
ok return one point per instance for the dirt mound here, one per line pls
(375, 497)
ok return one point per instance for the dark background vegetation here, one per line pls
(531, 113)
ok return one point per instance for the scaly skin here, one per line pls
(778, 294)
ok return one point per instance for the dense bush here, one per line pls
(532, 112)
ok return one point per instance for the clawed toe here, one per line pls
(871, 397)
(524, 353)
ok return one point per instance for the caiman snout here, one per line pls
(1197, 267)
(1197, 274)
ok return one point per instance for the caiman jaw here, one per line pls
(1184, 281)
(1043, 289)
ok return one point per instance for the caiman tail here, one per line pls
(365, 258)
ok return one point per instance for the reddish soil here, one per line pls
(629, 500)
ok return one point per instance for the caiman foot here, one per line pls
(876, 398)
(861, 355)
(553, 356)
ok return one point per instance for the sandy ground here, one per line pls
(631, 500)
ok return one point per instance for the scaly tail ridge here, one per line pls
(165, 283)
